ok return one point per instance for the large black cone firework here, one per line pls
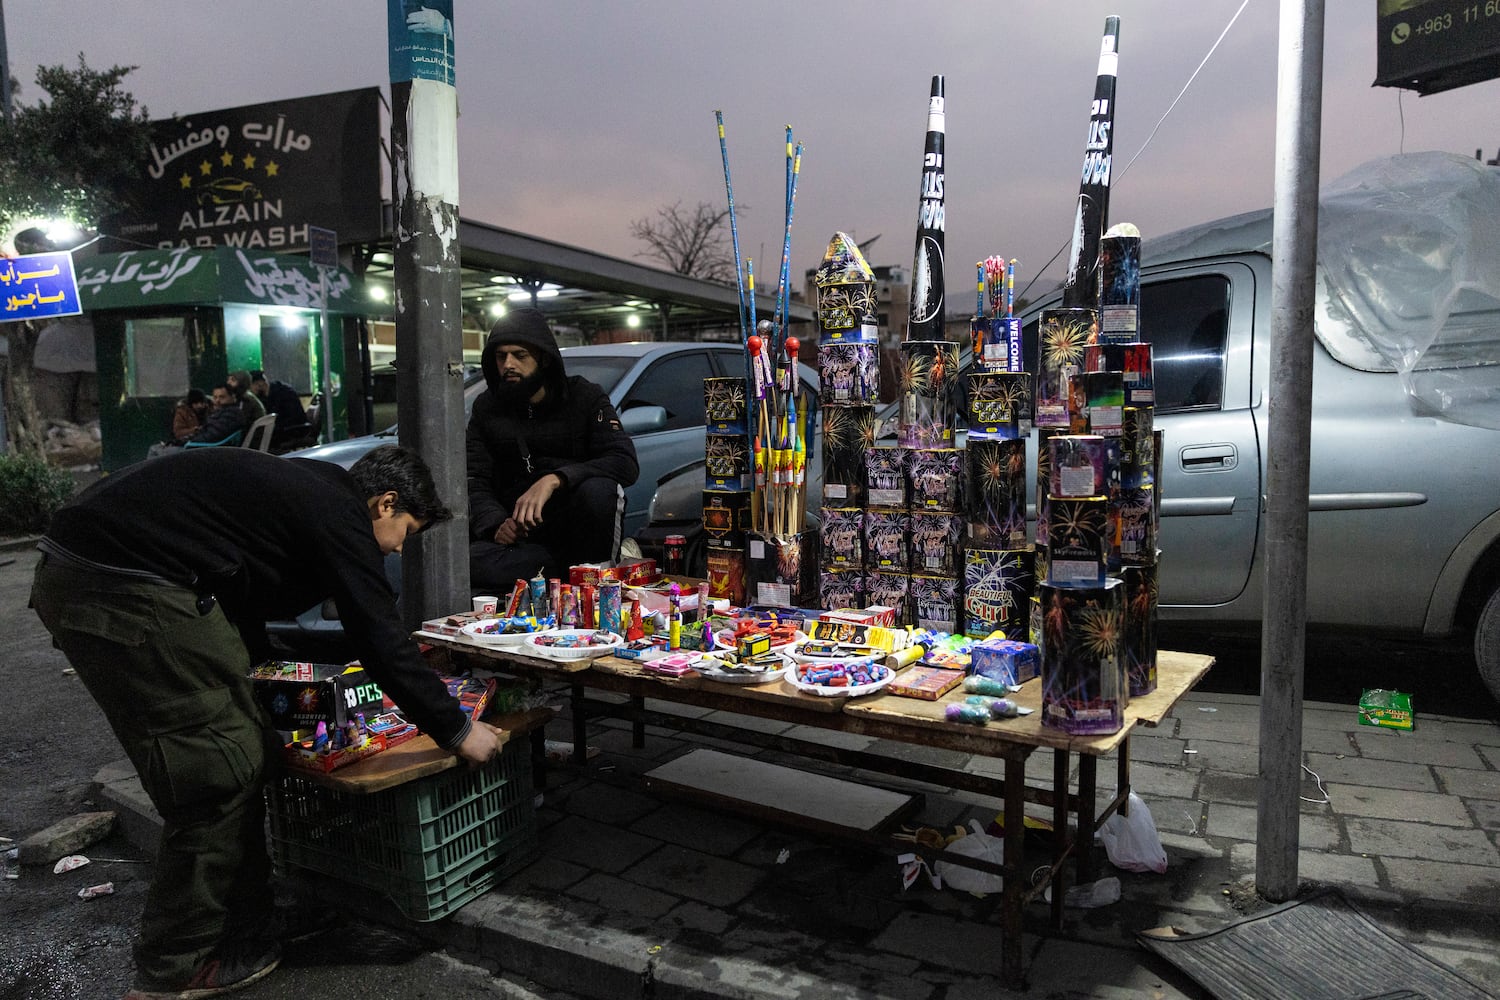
(925, 320)
(1081, 288)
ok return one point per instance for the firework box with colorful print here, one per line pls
(1388, 709)
(854, 634)
(1005, 660)
(300, 695)
(926, 683)
(782, 571)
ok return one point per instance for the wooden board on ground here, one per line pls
(783, 794)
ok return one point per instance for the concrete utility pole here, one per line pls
(1294, 249)
(4, 67)
(429, 319)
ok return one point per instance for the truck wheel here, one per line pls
(1487, 644)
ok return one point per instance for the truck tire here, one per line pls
(1487, 644)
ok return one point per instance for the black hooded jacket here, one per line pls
(573, 432)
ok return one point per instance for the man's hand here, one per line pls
(528, 509)
(510, 532)
(482, 743)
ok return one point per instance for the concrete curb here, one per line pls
(18, 543)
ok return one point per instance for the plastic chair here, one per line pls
(259, 434)
(230, 441)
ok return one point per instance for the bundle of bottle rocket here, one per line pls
(940, 532)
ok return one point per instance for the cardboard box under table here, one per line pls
(413, 824)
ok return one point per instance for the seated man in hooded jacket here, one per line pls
(547, 461)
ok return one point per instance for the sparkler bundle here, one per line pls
(767, 456)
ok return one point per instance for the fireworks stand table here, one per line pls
(905, 720)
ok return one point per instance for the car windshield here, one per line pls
(602, 370)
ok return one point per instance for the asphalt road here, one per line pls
(56, 946)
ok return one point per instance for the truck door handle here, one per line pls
(1209, 458)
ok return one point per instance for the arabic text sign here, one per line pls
(38, 285)
(421, 40)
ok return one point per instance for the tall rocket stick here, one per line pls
(1081, 288)
(925, 320)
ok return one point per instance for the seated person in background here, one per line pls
(223, 420)
(239, 384)
(189, 415)
(546, 459)
(282, 400)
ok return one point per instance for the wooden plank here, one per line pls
(416, 758)
(785, 794)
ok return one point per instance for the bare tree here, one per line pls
(691, 241)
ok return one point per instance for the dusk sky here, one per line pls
(577, 117)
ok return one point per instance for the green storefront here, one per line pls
(168, 320)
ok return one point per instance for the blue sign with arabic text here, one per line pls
(421, 40)
(38, 286)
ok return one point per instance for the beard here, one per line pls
(514, 395)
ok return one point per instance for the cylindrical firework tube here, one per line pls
(1079, 465)
(1120, 285)
(929, 393)
(1078, 541)
(609, 606)
(1083, 658)
(925, 320)
(995, 492)
(517, 603)
(1063, 335)
(1081, 287)
(538, 594)
(1140, 629)
(586, 607)
(999, 404)
(998, 584)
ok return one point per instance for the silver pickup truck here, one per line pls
(1404, 521)
(1404, 504)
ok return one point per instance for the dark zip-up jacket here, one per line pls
(573, 432)
(269, 538)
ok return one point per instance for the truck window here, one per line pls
(1187, 322)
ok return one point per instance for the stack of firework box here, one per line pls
(849, 388)
(1094, 615)
(728, 481)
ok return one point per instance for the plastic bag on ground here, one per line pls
(1131, 842)
(1090, 896)
(977, 844)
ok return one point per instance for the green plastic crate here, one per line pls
(430, 845)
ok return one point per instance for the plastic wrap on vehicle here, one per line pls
(1409, 279)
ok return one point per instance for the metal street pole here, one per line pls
(429, 320)
(4, 67)
(1294, 247)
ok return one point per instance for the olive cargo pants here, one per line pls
(170, 675)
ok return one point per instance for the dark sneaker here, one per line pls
(230, 968)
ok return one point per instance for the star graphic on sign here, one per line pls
(248, 161)
(205, 168)
(226, 158)
(186, 180)
(271, 168)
